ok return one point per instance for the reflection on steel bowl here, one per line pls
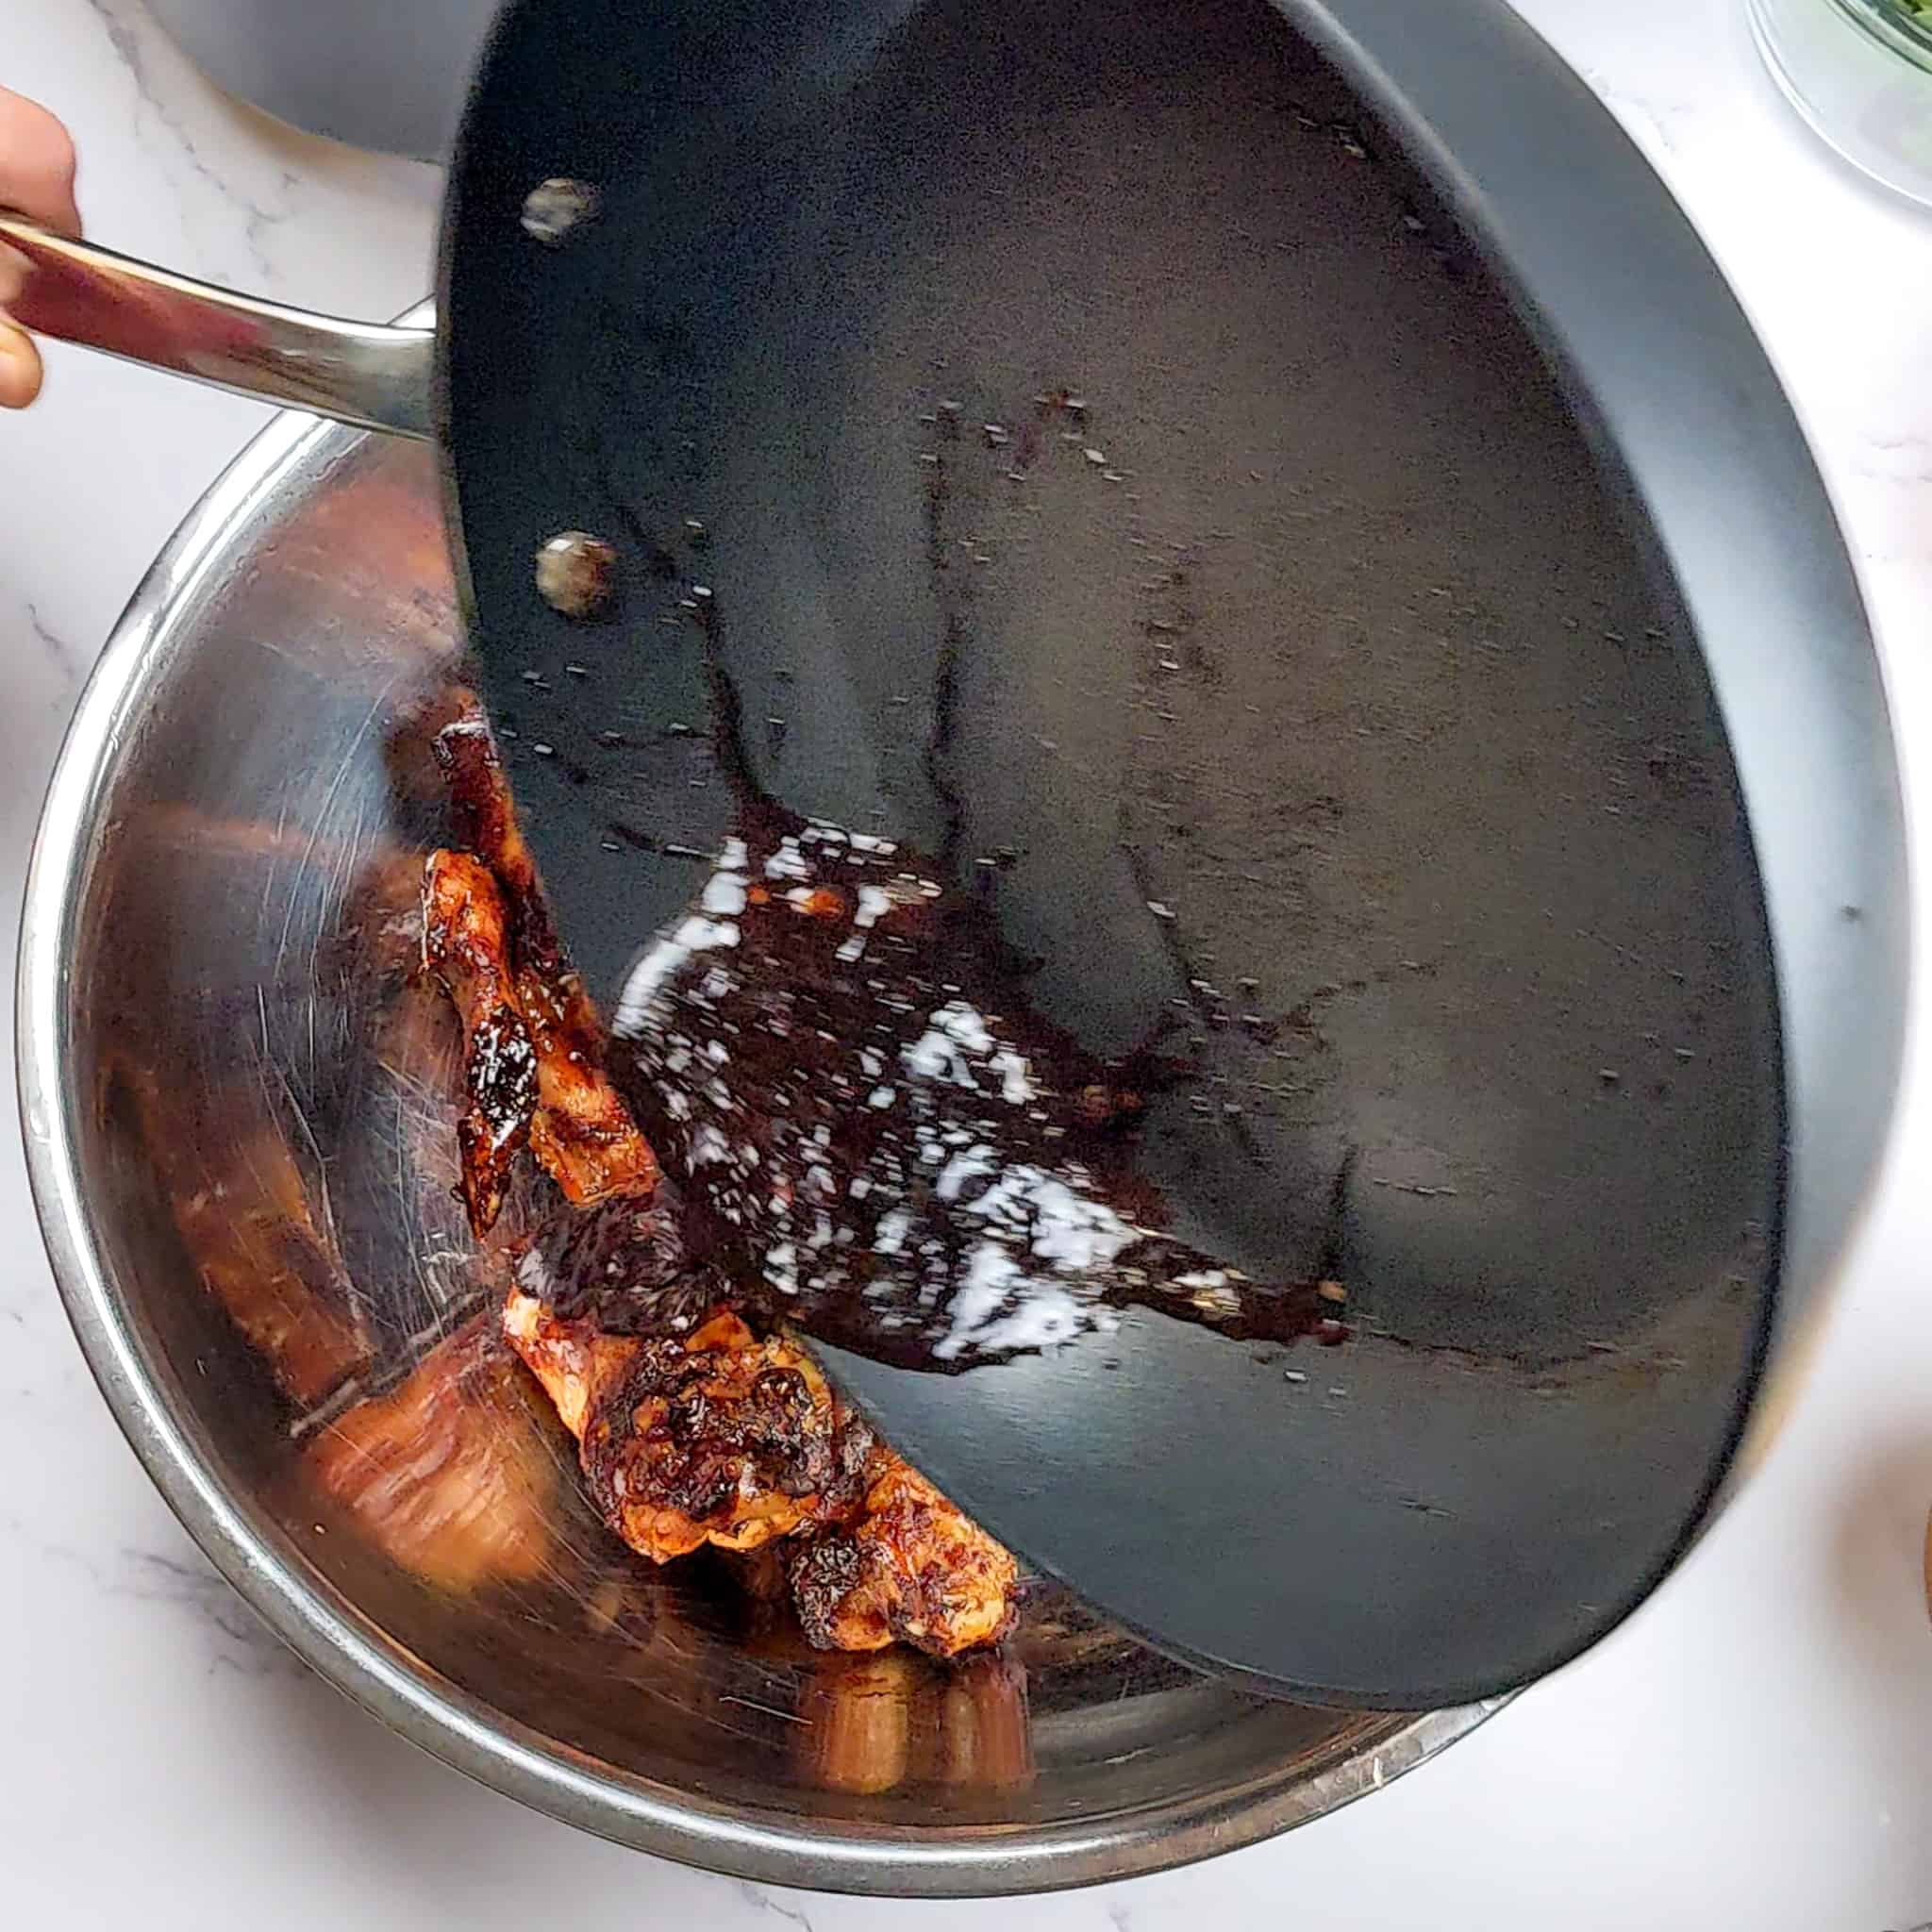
(241, 1106)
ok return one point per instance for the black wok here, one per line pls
(1279, 504)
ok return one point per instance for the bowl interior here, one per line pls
(261, 1106)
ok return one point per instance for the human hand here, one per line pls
(36, 180)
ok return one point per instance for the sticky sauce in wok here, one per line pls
(871, 1126)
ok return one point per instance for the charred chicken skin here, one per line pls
(465, 946)
(578, 1127)
(909, 1567)
(715, 1436)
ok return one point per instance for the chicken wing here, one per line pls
(465, 946)
(485, 822)
(910, 1567)
(711, 1437)
(579, 1129)
(582, 1132)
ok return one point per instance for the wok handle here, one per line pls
(361, 373)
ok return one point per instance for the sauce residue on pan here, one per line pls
(868, 1124)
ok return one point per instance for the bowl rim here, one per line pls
(406, 1693)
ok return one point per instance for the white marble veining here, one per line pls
(1754, 1750)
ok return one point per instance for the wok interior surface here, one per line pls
(1122, 479)
(1372, 687)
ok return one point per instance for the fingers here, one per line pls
(20, 362)
(36, 164)
(20, 367)
(36, 180)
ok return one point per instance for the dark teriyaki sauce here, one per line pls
(874, 1138)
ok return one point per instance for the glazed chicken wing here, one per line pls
(715, 1436)
(582, 1132)
(486, 824)
(484, 912)
(721, 1438)
(465, 946)
(910, 1567)
(531, 1054)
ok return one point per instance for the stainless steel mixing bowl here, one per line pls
(220, 1043)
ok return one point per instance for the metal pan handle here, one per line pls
(374, 376)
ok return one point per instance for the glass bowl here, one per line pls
(1860, 73)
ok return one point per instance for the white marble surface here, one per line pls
(1753, 1750)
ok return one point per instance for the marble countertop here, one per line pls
(1752, 1749)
